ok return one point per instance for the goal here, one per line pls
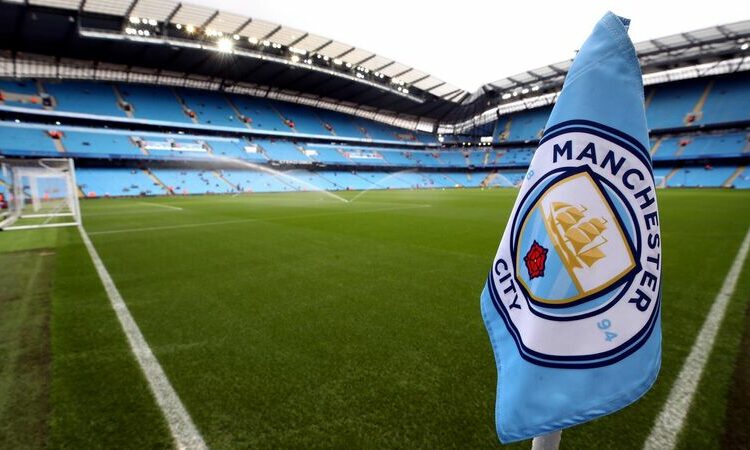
(38, 193)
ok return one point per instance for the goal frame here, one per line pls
(22, 178)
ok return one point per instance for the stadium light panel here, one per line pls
(225, 45)
(295, 58)
(338, 62)
(253, 40)
(134, 19)
(506, 96)
(189, 28)
(744, 46)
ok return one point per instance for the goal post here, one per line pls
(38, 193)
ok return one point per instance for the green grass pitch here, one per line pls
(299, 321)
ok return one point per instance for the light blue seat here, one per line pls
(211, 108)
(25, 141)
(154, 103)
(85, 97)
(116, 182)
(99, 143)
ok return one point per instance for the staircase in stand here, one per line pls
(220, 176)
(733, 176)
(669, 176)
(488, 179)
(656, 145)
(158, 182)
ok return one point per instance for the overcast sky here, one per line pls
(472, 42)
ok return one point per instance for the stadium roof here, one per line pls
(167, 42)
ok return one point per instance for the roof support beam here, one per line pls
(269, 35)
(345, 53)
(298, 40)
(420, 79)
(450, 94)
(210, 19)
(441, 83)
(242, 27)
(129, 11)
(362, 61)
(316, 50)
(172, 14)
(402, 73)
(379, 69)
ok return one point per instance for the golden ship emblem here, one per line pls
(577, 239)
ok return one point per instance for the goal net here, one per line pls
(38, 193)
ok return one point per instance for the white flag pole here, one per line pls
(549, 441)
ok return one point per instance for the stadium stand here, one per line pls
(84, 97)
(677, 108)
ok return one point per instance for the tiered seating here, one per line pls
(342, 125)
(346, 180)
(263, 116)
(712, 145)
(743, 179)
(257, 181)
(327, 155)
(304, 118)
(25, 141)
(116, 182)
(24, 88)
(85, 97)
(700, 177)
(192, 182)
(528, 125)
(283, 151)
(154, 103)
(211, 108)
(729, 100)
(102, 144)
(671, 103)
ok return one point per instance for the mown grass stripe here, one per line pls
(670, 421)
(184, 431)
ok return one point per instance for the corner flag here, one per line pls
(572, 300)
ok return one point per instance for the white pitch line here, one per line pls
(229, 222)
(668, 425)
(184, 432)
(160, 205)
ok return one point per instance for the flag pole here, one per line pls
(549, 441)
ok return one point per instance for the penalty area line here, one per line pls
(181, 426)
(160, 205)
(257, 219)
(672, 417)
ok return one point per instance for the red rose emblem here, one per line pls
(535, 260)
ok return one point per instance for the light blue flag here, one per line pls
(573, 297)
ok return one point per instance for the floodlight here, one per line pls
(525, 91)
(252, 40)
(152, 22)
(295, 58)
(225, 45)
(134, 19)
(744, 46)
(189, 28)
